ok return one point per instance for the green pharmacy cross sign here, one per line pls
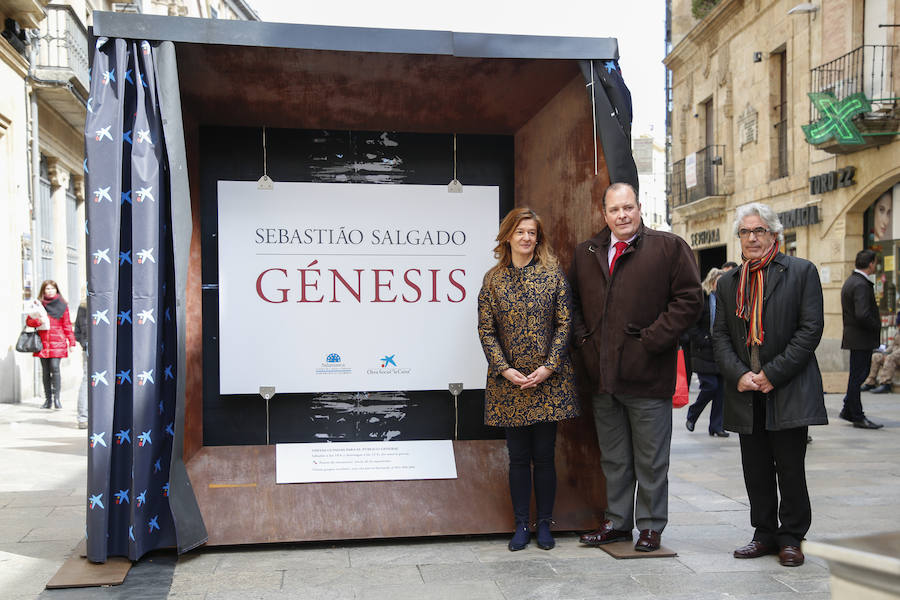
(837, 118)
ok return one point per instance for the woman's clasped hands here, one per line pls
(524, 382)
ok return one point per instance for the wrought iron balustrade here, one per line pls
(705, 177)
(867, 69)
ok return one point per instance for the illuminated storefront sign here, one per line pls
(836, 121)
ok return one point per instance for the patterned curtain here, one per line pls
(137, 486)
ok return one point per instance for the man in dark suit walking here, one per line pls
(862, 328)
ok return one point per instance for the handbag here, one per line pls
(29, 341)
(681, 384)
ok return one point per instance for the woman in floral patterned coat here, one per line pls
(524, 322)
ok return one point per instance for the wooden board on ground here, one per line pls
(78, 571)
(626, 550)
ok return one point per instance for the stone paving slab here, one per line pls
(412, 553)
(264, 559)
(612, 586)
(854, 481)
(359, 576)
(443, 591)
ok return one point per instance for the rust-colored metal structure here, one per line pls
(292, 76)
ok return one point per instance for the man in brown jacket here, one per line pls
(635, 290)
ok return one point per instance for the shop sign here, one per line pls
(837, 118)
(701, 238)
(799, 217)
(828, 182)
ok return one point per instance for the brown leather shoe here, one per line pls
(648, 541)
(790, 556)
(605, 535)
(755, 549)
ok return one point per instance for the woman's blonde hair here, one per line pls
(502, 252)
(709, 282)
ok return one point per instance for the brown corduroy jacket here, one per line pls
(627, 325)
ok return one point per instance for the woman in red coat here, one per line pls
(56, 338)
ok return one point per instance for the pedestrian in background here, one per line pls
(884, 365)
(81, 336)
(861, 335)
(704, 361)
(56, 336)
(524, 321)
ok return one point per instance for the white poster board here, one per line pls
(364, 461)
(690, 170)
(351, 287)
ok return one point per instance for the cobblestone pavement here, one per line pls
(854, 480)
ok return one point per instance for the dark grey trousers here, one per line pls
(635, 435)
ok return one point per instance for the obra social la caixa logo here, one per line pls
(387, 365)
(333, 365)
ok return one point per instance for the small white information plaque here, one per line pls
(364, 461)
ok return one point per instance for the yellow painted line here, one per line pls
(231, 485)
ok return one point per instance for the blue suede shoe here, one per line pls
(520, 538)
(545, 539)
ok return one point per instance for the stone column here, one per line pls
(59, 183)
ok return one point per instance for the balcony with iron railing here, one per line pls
(853, 102)
(698, 177)
(61, 66)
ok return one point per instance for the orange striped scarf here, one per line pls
(753, 270)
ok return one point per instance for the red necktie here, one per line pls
(620, 248)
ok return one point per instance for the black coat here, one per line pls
(862, 324)
(626, 325)
(793, 321)
(703, 356)
(81, 327)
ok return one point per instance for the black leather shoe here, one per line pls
(719, 433)
(648, 541)
(845, 415)
(865, 423)
(790, 556)
(866, 387)
(605, 535)
(884, 388)
(46, 403)
(689, 424)
(755, 549)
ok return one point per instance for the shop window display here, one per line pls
(880, 236)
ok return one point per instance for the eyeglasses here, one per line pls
(756, 231)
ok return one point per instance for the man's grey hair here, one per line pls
(763, 212)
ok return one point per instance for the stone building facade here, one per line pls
(45, 82)
(794, 105)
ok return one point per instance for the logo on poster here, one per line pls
(333, 365)
(387, 365)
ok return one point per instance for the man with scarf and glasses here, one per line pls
(768, 325)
